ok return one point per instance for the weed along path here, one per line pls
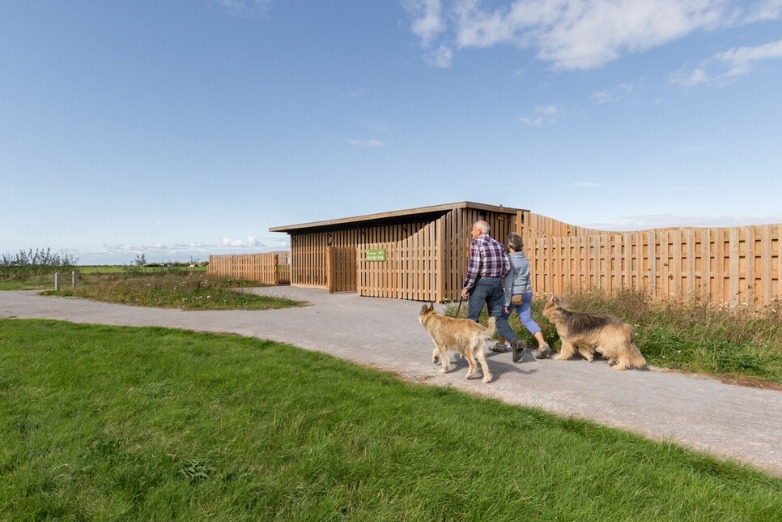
(731, 422)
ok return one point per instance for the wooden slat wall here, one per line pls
(412, 266)
(309, 256)
(271, 268)
(457, 227)
(737, 266)
(427, 261)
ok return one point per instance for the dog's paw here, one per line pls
(435, 359)
(486, 379)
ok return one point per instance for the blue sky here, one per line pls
(182, 128)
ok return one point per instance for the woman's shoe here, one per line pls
(544, 352)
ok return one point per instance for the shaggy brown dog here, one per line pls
(587, 333)
(463, 336)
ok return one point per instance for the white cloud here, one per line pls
(250, 242)
(245, 7)
(727, 65)
(650, 221)
(427, 19)
(604, 96)
(613, 95)
(764, 11)
(691, 78)
(741, 59)
(587, 184)
(180, 252)
(573, 35)
(538, 121)
(439, 58)
(368, 144)
(545, 115)
(358, 93)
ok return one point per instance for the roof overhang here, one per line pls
(395, 217)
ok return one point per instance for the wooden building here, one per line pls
(419, 254)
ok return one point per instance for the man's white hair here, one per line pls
(483, 226)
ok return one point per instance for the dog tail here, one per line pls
(491, 328)
(637, 360)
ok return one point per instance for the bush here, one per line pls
(33, 263)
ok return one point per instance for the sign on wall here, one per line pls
(375, 254)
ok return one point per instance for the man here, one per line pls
(483, 283)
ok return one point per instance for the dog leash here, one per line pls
(459, 308)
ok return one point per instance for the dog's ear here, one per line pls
(427, 308)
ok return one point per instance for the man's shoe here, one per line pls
(544, 352)
(499, 348)
(518, 350)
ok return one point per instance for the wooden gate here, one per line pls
(341, 269)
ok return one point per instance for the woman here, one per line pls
(518, 289)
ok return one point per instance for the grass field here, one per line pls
(118, 423)
(737, 346)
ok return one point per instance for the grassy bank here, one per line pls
(166, 289)
(114, 423)
(737, 346)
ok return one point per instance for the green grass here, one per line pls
(119, 423)
(37, 282)
(178, 289)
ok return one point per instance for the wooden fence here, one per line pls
(272, 268)
(736, 266)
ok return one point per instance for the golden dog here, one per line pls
(587, 333)
(463, 336)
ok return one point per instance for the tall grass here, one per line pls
(183, 289)
(116, 423)
(693, 336)
(736, 345)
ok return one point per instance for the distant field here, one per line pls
(118, 269)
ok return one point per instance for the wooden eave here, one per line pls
(390, 218)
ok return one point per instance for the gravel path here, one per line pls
(731, 422)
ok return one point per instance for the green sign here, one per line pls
(375, 254)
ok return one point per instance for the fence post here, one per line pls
(73, 278)
(56, 281)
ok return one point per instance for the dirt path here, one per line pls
(739, 423)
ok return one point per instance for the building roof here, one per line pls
(394, 217)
